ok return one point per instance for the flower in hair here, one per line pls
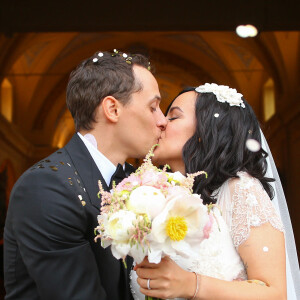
(96, 59)
(223, 93)
(127, 58)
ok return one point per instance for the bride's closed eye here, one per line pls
(174, 113)
(171, 119)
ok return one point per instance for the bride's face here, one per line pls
(181, 126)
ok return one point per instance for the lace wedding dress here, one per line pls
(244, 204)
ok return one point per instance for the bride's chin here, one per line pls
(157, 159)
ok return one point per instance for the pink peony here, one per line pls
(129, 183)
(154, 178)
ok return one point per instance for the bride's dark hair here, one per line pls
(218, 145)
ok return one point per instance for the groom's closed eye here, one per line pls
(154, 103)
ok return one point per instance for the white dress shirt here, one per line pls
(105, 166)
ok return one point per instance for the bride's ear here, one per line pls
(111, 108)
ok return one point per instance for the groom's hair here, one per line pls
(103, 74)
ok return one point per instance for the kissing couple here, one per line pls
(114, 99)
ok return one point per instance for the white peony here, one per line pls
(120, 250)
(177, 229)
(216, 255)
(146, 200)
(138, 253)
(177, 176)
(119, 225)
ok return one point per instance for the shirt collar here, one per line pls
(105, 166)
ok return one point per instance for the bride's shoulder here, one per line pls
(245, 182)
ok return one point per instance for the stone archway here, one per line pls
(38, 65)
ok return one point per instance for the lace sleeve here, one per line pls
(250, 206)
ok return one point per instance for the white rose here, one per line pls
(146, 200)
(119, 225)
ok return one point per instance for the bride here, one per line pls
(213, 128)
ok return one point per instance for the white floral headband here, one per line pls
(223, 93)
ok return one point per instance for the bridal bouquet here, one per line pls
(153, 213)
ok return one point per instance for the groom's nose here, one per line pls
(161, 121)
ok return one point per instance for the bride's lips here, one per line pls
(157, 142)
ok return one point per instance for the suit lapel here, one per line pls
(129, 260)
(90, 174)
(86, 168)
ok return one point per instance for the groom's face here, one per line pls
(142, 120)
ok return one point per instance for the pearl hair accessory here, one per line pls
(223, 93)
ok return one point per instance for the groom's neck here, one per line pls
(108, 143)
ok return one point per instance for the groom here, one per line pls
(49, 248)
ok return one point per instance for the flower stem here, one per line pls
(152, 298)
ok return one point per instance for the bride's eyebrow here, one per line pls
(175, 107)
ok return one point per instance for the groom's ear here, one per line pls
(111, 108)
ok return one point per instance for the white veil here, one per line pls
(292, 264)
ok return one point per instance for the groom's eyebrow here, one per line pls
(155, 98)
(175, 107)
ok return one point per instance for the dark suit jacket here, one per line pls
(49, 248)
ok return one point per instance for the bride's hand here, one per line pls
(167, 279)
